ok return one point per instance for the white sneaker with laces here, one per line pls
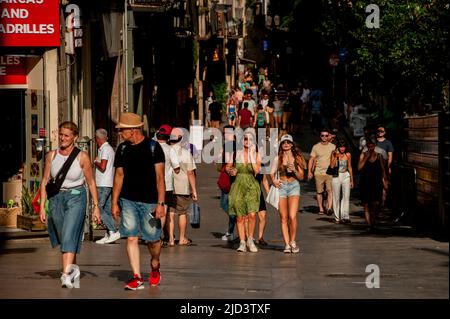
(251, 245)
(112, 237)
(294, 248)
(102, 240)
(287, 249)
(242, 247)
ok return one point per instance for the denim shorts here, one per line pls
(67, 211)
(288, 189)
(137, 221)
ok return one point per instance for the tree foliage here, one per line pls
(407, 55)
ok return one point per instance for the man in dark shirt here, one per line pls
(215, 109)
(140, 187)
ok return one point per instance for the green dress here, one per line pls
(245, 192)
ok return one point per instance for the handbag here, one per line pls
(224, 182)
(194, 215)
(36, 203)
(54, 185)
(333, 171)
(273, 196)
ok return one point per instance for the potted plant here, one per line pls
(29, 220)
(8, 214)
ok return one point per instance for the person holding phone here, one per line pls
(139, 187)
(343, 181)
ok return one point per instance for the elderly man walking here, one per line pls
(104, 178)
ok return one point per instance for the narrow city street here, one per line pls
(335, 261)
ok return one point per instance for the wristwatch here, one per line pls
(161, 203)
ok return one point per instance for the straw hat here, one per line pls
(129, 120)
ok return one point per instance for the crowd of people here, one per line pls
(141, 190)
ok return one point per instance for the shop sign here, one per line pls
(29, 23)
(12, 70)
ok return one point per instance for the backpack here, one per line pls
(261, 119)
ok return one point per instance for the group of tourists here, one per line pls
(142, 186)
(147, 185)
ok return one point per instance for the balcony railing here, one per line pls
(152, 5)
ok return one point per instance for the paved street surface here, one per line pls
(331, 264)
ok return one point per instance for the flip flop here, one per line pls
(171, 244)
(188, 242)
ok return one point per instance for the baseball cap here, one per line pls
(286, 137)
(165, 129)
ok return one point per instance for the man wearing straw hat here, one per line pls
(139, 187)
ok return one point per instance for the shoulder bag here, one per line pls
(224, 182)
(54, 184)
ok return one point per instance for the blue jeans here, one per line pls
(137, 219)
(224, 206)
(104, 202)
(67, 211)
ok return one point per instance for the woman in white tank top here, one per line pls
(66, 215)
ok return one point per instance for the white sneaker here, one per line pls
(104, 239)
(242, 247)
(287, 249)
(294, 248)
(251, 245)
(112, 237)
(228, 236)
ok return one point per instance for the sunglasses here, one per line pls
(324, 135)
(381, 131)
(247, 139)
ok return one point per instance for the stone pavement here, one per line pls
(335, 261)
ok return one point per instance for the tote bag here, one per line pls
(194, 215)
(273, 196)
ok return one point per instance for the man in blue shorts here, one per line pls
(139, 188)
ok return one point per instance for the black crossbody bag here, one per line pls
(54, 184)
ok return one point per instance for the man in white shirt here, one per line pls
(184, 187)
(172, 165)
(104, 178)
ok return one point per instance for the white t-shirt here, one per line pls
(106, 178)
(172, 162)
(181, 184)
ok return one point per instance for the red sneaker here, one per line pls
(135, 283)
(155, 276)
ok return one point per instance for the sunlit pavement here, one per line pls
(335, 261)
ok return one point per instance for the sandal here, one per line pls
(261, 241)
(321, 213)
(188, 242)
